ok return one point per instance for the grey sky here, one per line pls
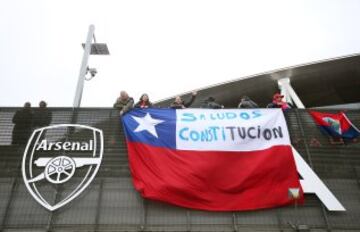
(162, 47)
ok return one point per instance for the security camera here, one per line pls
(92, 71)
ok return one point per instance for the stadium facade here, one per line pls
(110, 202)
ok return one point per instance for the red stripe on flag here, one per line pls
(214, 180)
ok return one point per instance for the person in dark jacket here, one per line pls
(23, 125)
(124, 103)
(247, 103)
(278, 102)
(179, 103)
(42, 116)
(210, 103)
(144, 102)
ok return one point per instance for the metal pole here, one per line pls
(188, 221)
(144, 215)
(278, 218)
(98, 207)
(234, 221)
(84, 65)
(8, 204)
(52, 213)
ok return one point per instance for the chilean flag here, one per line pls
(217, 160)
(336, 125)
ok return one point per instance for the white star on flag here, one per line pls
(147, 123)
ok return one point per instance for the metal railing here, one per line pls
(111, 203)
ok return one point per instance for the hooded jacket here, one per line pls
(124, 105)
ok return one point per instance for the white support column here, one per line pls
(284, 85)
(83, 68)
(283, 91)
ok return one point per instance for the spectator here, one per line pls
(23, 122)
(124, 103)
(179, 103)
(210, 103)
(42, 115)
(247, 103)
(144, 102)
(278, 102)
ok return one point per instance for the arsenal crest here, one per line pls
(62, 157)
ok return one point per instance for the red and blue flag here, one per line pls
(335, 125)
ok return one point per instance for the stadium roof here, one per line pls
(327, 82)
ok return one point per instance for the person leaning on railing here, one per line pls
(144, 102)
(23, 125)
(247, 103)
(179, 103)
(210, 103)
(42, 116)
(278, 102)
(124, 103)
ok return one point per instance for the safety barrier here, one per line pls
(111, 203)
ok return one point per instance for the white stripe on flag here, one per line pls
(230, 130)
